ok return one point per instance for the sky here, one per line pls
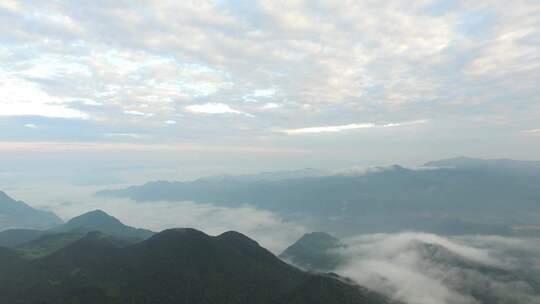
(104, 92)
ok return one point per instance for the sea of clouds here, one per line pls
(422, 268)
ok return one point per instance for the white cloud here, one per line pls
(11, 5)
(428, 269)
(360, 61)
(36, 108)
(133, 112)
(170, 122)
(31, 126)
(139, 113)
(340, 128)
(531, 131)
(130, 135)
(325, 129)
(361, 170)
(213, 108)
(90, 102)
(264, 93)
(406, 123)
(50, 67)
(19, 97)
(271, 105)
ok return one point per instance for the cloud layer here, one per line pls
(213, 74)
(429, 269)
(331, 129)
(319, 62)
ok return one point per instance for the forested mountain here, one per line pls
(98, 220)
(174, 266)
(35, 243)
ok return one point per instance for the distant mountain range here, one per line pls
(98, 220)
(174, 266)
(17, 214)
(455, 196)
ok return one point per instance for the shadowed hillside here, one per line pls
(174, 266)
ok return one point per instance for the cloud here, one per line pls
(256, 95)
(264, 93)
(531, 131)
(325, 129)
(138, 113)
(90, 102)
(83, 147)
(11, 5)
(130, 135)
(363, 170)
(326, 63)
(214, 108)
(429, 269)
(31, 126)
(271, 105)
(19, 97)
(34, 108)
(340, 128)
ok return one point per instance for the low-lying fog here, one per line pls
(429, 269)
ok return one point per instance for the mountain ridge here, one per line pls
(388, 199)
(39, 243)
(173, 266)
(98, 220)
(19, 215)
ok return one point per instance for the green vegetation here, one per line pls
(36, 243)
(98, 220)
(174, 266)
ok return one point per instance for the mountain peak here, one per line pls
(17, 214)
(4, 196)
(95, 217)
(8, 200)
(175, 236)
(314, 251)
(247, 246)
(99, 220)
(318, 236)
(175, 266)
(97, 212)
(237, 237)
